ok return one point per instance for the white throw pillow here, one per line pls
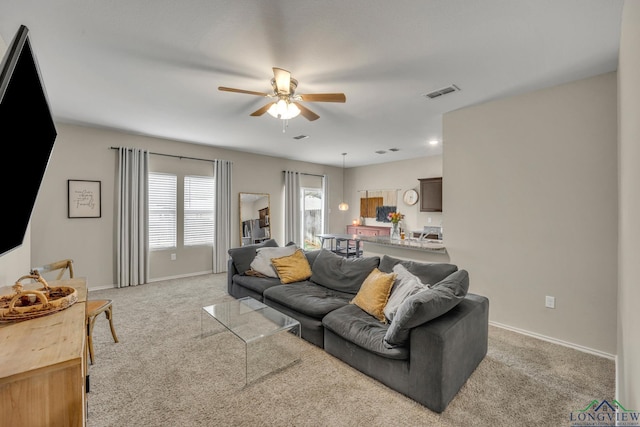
(406, 284)
(262, 262)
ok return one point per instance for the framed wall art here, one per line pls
(84, 199)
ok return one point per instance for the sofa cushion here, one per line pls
(292, 268)
(262, 262)
(308, 298)
(426, 305)
(340, 273)
(356, 326)
(374, 293)
(256, 284)
(243, 255)
(405, 285)
(428, 272)
(311, 256)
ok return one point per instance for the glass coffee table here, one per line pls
(270, 338)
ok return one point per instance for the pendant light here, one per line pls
(343, 206)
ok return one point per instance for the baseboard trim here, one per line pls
(101, 288)
(157, 279)
(555, 341)
(180, 276)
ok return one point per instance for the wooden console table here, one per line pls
(43, 366)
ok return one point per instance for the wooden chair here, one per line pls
(62, 265)
(94, 307)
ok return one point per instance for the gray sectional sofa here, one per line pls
(427, 351)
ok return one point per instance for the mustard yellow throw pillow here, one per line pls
(374, 293)
(292, 268)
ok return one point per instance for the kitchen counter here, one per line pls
(426, 245)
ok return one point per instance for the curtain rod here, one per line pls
(170, 155)
(305, 173)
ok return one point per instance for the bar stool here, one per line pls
(94, 308)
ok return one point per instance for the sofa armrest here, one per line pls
(445, 351)
(231, 271)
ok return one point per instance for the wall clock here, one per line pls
(410, 197)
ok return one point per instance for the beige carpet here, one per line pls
(162, 373)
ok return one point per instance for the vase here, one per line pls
(395, 231)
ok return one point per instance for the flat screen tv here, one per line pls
(28, 135)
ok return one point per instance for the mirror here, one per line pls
(255, 218)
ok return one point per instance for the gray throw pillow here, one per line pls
(406, 284)
(426, 305)
(427, 272)
(262, 262)
(342, 274)
(244, 255)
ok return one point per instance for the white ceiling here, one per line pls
(152, 67)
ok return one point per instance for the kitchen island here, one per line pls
(415, 249)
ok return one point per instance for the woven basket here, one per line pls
(30, 304)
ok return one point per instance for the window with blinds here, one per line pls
(198, 210)
(162, 210)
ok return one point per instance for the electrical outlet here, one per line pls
(173, 257)
(550, 302)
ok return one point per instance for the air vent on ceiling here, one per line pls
(443, 91)
(301, 137)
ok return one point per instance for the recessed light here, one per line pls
(433, 142)
(301, 137)
(394, 149)
(380, 152)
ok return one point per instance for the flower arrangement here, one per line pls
(395, 217)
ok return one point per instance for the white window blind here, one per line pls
(198, 210)
(162, 210)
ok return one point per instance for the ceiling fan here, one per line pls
(286, 104)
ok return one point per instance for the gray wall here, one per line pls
(530, 205)
(84, 153)
(629, 247)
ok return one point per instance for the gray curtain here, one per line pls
(325, 208)
(132, 240)
(292, 217)
(222, 173)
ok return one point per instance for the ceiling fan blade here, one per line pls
(283, 80)
(249, 92)
(262, 110)
(308, 114)
(324, 97)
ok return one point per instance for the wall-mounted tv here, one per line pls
(27, 132)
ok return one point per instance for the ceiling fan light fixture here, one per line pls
(283, 110)
(287, 105)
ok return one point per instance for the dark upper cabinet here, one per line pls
(430, 195)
